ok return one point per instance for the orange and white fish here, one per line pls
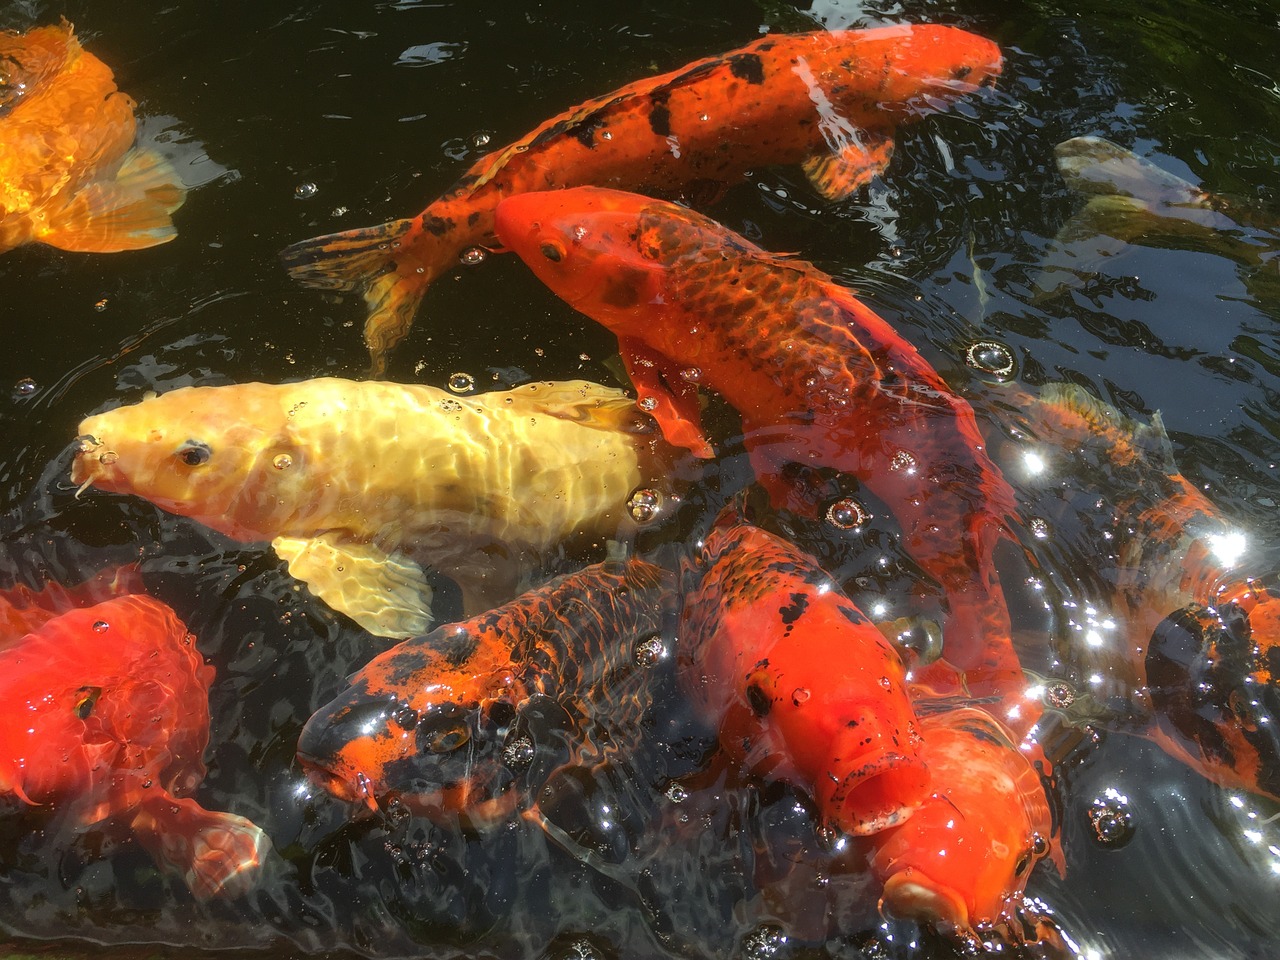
(70, 173)
(360, 485)
(829, 100)
(104, 719)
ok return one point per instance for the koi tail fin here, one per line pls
(370, 260)
(128, 212)
(216, 854)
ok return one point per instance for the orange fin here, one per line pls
(217, 854)
(838, 175)
(666, 397)
(129, 212)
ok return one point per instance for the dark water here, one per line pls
(378, 104)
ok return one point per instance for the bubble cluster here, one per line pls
(1111, 819)
(765, 942)
(518, 753)
(461, 382)
(650, 652)
(305, 191)
(644, 505)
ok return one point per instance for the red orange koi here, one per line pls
(829, 100)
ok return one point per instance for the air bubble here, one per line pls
(282, 461)
(101, 626)
(991, 357)
(847, 514)
(644, 505)
(473, 256)
(461, 382)
(691, 374)
(518, 753)
(903, 461)
(650, 652)
(108, 457)
(1059, 694)
(481, 139)
(305, 191)
(676, 793)
(648, 403)
(1039, 528)
(1111, 819)
(24, 387)
(799, 695)
(101, 305)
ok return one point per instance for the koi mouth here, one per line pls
(92, 458)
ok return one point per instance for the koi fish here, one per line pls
(439, 721)
(1198, 638)
(359, 485)
(962, 861)
(819, 380)
(828, 100)
(24, 610)
(802, 686)
(1131, 200)
(70, 175)
(104, 719)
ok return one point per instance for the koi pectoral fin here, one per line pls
(838, 176)
(130, 212)
(666, 396)
(217, 854)
(385, 593)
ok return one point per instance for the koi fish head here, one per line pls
(963, 858)
(221, 455)
(414, 726)
(928, 63)
(97, 701)
(606, 252)
(28, 60)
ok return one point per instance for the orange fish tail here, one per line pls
(384, 263)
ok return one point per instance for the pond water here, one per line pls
(290, 120)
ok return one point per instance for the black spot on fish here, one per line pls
(852, 614)
(959, 73)
(759, 700)
(473, 218)
(586, 130)
(795, 610)
(748, 67)
(660, 114)
(437, 226)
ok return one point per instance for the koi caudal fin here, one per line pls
(216, 854)
(375, 261)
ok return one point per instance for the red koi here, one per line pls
(830, 100)
(818, 379)
(104, 719)
(802, 686)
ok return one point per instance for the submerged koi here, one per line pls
(104, 719)
(439, 721)
(358, 485)
(819, 380)
(70, 175)
(829, 100)
(802, 686)
(1198, 637)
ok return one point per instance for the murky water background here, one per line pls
(293, 119)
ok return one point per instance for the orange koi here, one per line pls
(819, 380)
(70, 175)
(104, 719)
(1199, 638)
(829, 100)
(963, 859)
(438, 721)
(802, 686)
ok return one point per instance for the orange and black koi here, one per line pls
(818, 379)
(831, 100)
(437, 721)
(802, 686)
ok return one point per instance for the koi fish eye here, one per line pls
(194, 453)
(89, 697)
(445, 739)
(553, 250)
